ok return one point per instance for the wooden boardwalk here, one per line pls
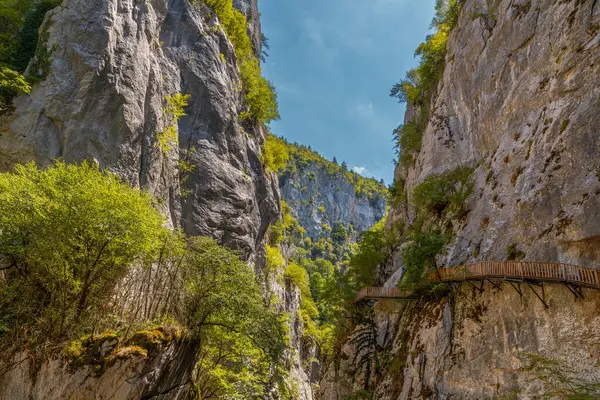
(527, 271)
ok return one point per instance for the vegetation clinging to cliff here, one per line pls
(19, 23)
(259, 93)
(70, 237)
(67, 234)
(419, 85)
(275, 154)
(172, 112)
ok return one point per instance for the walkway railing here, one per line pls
(377, 293)
(504, 270)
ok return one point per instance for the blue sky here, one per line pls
(333, 63)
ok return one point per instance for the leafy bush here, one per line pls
(419, 256)
(408, 142)
(397, 193)
(373, 251)
(67, 235)
(11, 84)
(172, 112)
(420, 82)
(259, 93)
(299, 277)
(275, 260)
(444, 192)
(275, 154)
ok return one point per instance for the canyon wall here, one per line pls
(519, 101)
(519, 104)
(108, 67)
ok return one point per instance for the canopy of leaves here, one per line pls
(242, 340)
(67, 235)
(275, 154)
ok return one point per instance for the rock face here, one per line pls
(112, 64)
(519, 101)
(317, 197)
(496, 344)
(163, 376)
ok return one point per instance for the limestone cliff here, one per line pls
(518, 104)
(519, 101)
(490, 345)
(109, 66)
(321, 193)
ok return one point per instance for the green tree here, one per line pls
(241, 340)
(275, 154)
(419, 256)
(19, 24)
(374, 250)
(12, 18)
(67, 235)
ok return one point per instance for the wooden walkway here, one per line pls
(527, 271)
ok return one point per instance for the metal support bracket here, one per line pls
(542, 298)
(496, 285)
(518, 289)
(576, 290)
(475, 287)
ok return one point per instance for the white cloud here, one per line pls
(363, 110)
(312, 29)
(362, 170)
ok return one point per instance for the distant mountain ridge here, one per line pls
(323, 193)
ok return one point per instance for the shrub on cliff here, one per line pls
(408, 142)
(419, 256)
(447, 191)
(419, 83)
(67, 235)
(259, 93)
(275, 154)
